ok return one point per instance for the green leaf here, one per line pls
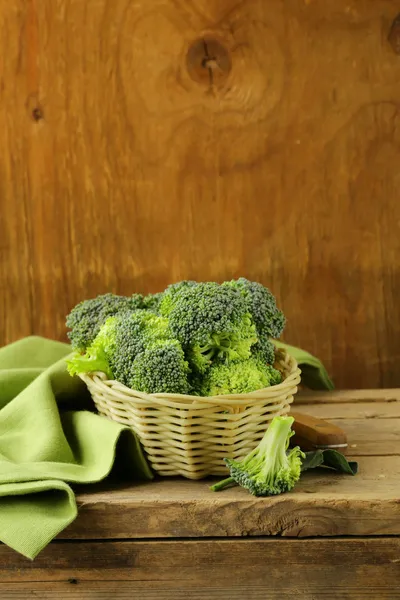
(336, 460)
(312, 460)
(332, 459)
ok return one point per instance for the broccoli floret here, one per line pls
(167, 302)
(239, 377)
(261, 303)
(134, 333)
(86, 318)
(94, 359)
(264, 349)
(120, 340)
(230, 346)
(152, 301)
(211, 321)
(161, 368)
(270, 468)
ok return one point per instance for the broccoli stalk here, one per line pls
(221, 485)
(269, 469)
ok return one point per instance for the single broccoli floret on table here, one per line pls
(86, 318)
(239, 377)
(120, 340)
(211, 321)
(261, 303)
(270, 468)
(167, 302)
(161, 368)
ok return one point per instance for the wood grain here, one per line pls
(174, 591)
(125, 167)
(354, 397)
(321, 505)
(361, 410)
(365, 438)
(371, 423)
(285, 568)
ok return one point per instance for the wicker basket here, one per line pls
(191, 435)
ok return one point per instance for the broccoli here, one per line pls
(270, 468)
(264, 349)
(217, 337)
(94, 359)
(167, 302)
(161, 368)
(118, 342)
(268, 319)
(152, 301)
(211, 321)
(86, 318)
(239, 377)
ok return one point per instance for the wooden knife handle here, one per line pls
(313, 434)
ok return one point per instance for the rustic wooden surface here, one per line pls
(241, 569)
(174, 539)
(126, 164)
(321, 504)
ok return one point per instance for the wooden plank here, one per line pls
(367, 436)
(356, 410)
(347, 396)
(173, 591)
(374, 437)
(321, 505)
(123, 168)
(361, 568)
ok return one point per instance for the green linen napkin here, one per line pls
(46, 443)
(313, 372)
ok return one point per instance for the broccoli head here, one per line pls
(119, 341)
(86, 318)
(269, 320)
(152, 301)
(270, 468)
(239, 377)
(211, 321)
(161, 368)
(167, 302)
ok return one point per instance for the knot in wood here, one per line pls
(208, 61)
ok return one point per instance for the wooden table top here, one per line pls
(175, 539)
(321, 505)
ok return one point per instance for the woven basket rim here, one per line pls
(100, 378)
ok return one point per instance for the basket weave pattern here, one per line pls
(191, 435)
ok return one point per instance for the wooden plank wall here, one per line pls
(149, 141)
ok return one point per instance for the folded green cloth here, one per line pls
(46, 443)
(313, 372)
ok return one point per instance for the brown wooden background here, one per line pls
(126, 165)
